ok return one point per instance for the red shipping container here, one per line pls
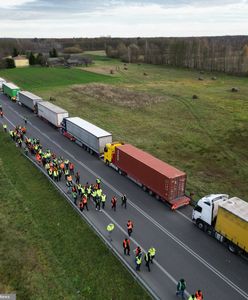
(162, 179)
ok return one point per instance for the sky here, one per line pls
(122, 18)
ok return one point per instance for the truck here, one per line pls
(11, 90)
(51, 113)
(153, 175)
(1, 83)
(225, 219)
(86, 134)
(29, 100)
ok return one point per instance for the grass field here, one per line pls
(206, 137)
(46, 250)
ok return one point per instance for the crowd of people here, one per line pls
(59, 169)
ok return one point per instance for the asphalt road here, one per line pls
(183, 251)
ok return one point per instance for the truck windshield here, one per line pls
(198, 208)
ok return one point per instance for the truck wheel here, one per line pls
(150, 192)
(144, 188)
(232, 248)
(200, 225)
(91, 152)
(107, 163)
(157, 197)
(120, 172)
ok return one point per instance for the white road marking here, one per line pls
(169, 234)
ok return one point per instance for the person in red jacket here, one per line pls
(126, 246)
(129, 227)
(199, 295)
(113, 202)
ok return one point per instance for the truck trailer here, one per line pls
(51, 113)
(224, 218)
(87, 135)
(159, 178)
(11, 90)
(1, 83)
(29, 100)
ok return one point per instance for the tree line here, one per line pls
(227, 54)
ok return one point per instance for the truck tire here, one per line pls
(232, 248)
(150, 193)
(144, 188)
(200, 225)
(91, 151)
(120, 171)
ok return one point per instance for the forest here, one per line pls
(228, 54)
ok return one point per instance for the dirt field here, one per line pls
(116, 95)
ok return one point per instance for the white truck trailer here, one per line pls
(29, 100)
(52, 113)
(87, 135)
(1, 83)
(224, 218)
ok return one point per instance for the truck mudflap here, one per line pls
(176, 203)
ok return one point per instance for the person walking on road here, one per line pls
(98, 183)
(152, 252)
(199, 295)
(98, 203)
(138, 261)
(4, 127)
(77, 176)
(110, 229)
(103, 200)
(192, 297)
(124, 200)
(148, 260)
(126, 246)
(181, 286)
(129, 227)
(113, 202)
(137, 251)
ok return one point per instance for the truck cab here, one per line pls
(109, 151)
(205, 212)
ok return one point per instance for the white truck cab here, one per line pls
(206, 209)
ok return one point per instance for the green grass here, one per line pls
(37, 78)
(207, 137)
(46, 249)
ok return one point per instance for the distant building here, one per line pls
(21, 61)
(55, 61)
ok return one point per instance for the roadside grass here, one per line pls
(206, 137)
(47, 251)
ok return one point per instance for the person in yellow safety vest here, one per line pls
(94, 194)
(110, 229)
(192, 297)
(99, 193)
(56, 175)
(79, 188)
(152, 252)
(98, 182)
(103, 200)
(50, 172)
(47, 167)
(83, 190)
(5, 127)
(66, 173)
(138, 261)
(89, 192)
(11, 133)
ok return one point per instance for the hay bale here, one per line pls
(145, 74)
(234, 90)
(126, 68)
(194, 97)
(200, 78)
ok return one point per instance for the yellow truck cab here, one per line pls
(109, 151)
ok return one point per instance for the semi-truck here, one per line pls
(86, 134)
(224, 218)
(51, 113)
(1, 83)
(29, 100)
(11, 90)
(153, 175)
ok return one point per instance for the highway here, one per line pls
(183, 251)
